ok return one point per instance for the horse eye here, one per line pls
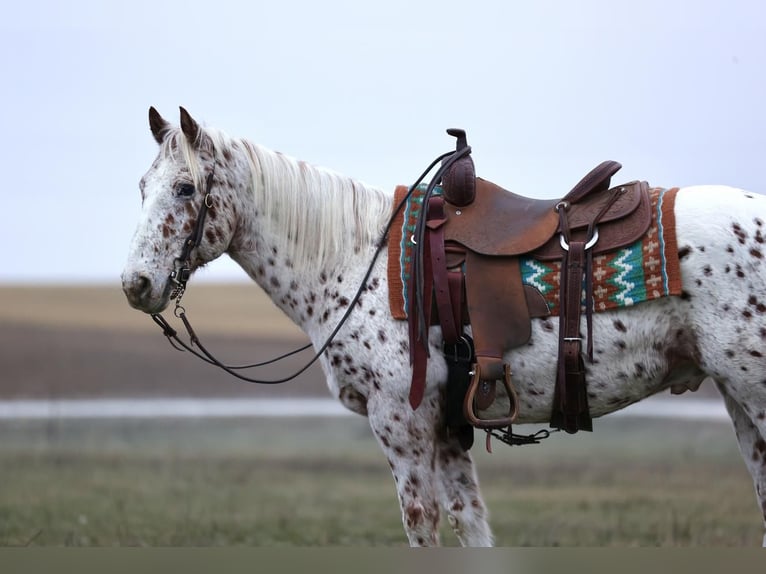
(185, 189)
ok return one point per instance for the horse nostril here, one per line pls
(143, 285)
(137, 287)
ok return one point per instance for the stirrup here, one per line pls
(469, 407)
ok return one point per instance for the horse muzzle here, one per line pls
(145, 294)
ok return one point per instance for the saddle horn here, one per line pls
(459, 182)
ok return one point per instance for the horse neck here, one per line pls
(300, 225)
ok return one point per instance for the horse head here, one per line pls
(187, 217)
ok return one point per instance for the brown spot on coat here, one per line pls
(739, 232)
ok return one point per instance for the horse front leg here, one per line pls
(407, 438)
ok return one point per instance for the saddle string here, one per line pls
(181, 276)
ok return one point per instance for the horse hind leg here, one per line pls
(751, 437)
(460, 494)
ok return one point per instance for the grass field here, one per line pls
(318, 482)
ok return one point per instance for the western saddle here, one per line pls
(466, 271)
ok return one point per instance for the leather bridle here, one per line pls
(182, 264)
(183, 268)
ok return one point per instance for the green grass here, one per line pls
(318, 482)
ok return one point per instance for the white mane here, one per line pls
(315, 213)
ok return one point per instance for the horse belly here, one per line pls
(634, 350)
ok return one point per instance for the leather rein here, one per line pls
(182, 270)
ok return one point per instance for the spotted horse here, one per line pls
(307, 235)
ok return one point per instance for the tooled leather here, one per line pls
(522, 225)
(624, 223)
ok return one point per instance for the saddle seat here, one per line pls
(499, 222)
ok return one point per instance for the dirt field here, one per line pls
(86, 342)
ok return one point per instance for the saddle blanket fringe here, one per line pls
(648, 269)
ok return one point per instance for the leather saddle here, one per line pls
(476, 234)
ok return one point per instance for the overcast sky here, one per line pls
(674, 90)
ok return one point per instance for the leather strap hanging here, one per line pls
(570, 399)
(419, 340)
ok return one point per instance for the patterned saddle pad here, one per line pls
(648, 269)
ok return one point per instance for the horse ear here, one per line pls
(158, 125)
(189, 127)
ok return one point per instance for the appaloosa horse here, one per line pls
(306, 236)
